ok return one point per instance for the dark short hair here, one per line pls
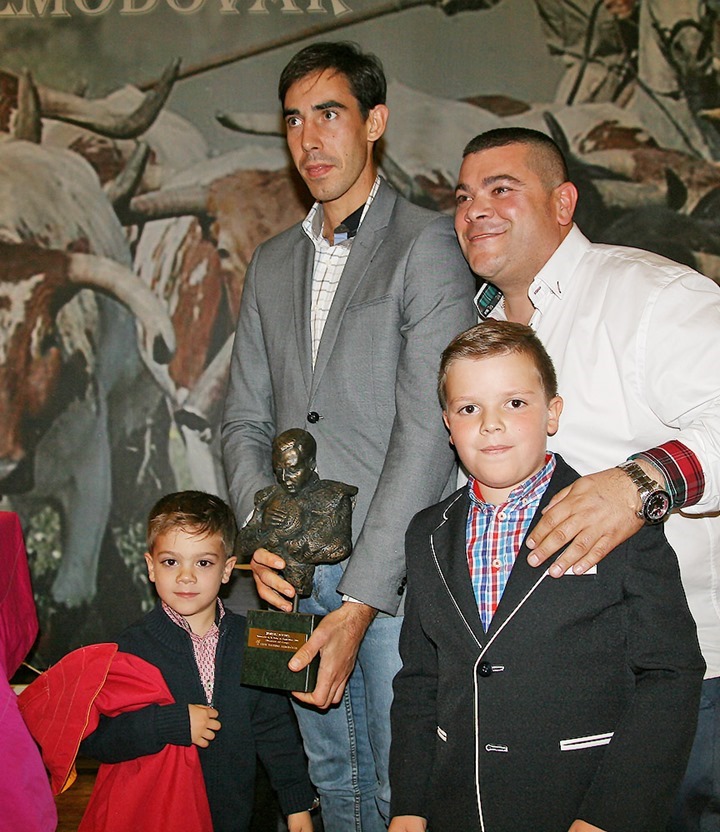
(546, 155)
(363, 71)
(492, 338)
(194, 512)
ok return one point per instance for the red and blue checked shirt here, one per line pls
(494, 535)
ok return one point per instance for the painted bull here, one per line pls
(66, 353)
(127, 135)
(194, 257)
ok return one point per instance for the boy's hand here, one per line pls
(582, 826)
(300, 822)
(203, 724)
(410, 823)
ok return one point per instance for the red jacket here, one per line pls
(158, 791)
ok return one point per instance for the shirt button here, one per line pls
(313, 417)
(496, 563)
(501, 515)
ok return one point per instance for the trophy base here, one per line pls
(271, 637)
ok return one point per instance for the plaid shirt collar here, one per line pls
(528, 491)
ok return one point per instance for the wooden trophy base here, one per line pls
(271, 637)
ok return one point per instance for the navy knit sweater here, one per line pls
(254, 722)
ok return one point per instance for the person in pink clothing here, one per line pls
(26, 802)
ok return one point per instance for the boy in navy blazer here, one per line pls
(527, 704)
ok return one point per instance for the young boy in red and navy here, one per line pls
(198, 646)
(528, 704)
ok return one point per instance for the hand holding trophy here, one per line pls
(306, 521)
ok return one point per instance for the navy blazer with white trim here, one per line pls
(579, 702)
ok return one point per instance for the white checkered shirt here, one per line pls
(328, 267)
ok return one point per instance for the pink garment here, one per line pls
(157, 791)
(26, 802)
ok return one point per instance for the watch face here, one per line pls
(656, 506)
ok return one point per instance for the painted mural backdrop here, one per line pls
(142, 161)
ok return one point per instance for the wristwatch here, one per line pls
(656, 502)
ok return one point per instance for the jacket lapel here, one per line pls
(301, 278)
(447, 542)
(523, 577)
(369, 237)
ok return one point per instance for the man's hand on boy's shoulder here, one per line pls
(408, 823)
(594, 515)
(582, 826)
(204, 724)
(300, 822)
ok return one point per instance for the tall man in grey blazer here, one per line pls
(342, 319)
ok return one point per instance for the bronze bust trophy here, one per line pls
(306, 521)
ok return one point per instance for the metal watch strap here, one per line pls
(645, 485)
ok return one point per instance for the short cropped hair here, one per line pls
(546, 156)
(363, 71)
(194, 512)
(297, 438)
(492, 338)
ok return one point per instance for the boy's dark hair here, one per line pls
(195, 512)
(546, 156)
(363, 71)
(492, 338)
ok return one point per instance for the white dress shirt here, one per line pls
(635, 340)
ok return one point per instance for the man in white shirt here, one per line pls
(634, 339)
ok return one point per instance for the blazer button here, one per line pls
(401, 588)
(485, 669)
(313, 417)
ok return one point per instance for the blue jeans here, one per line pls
(697, 806)
(348, 746)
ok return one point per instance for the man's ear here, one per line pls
(229, 566)
(566, 197)
(555, 406)
(150, 566)
(377, 122)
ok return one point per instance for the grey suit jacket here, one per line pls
(404, 293)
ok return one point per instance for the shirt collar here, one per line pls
(524, 493)
(178, 619)
(313, 222)
(555, 276)
(550, 282)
